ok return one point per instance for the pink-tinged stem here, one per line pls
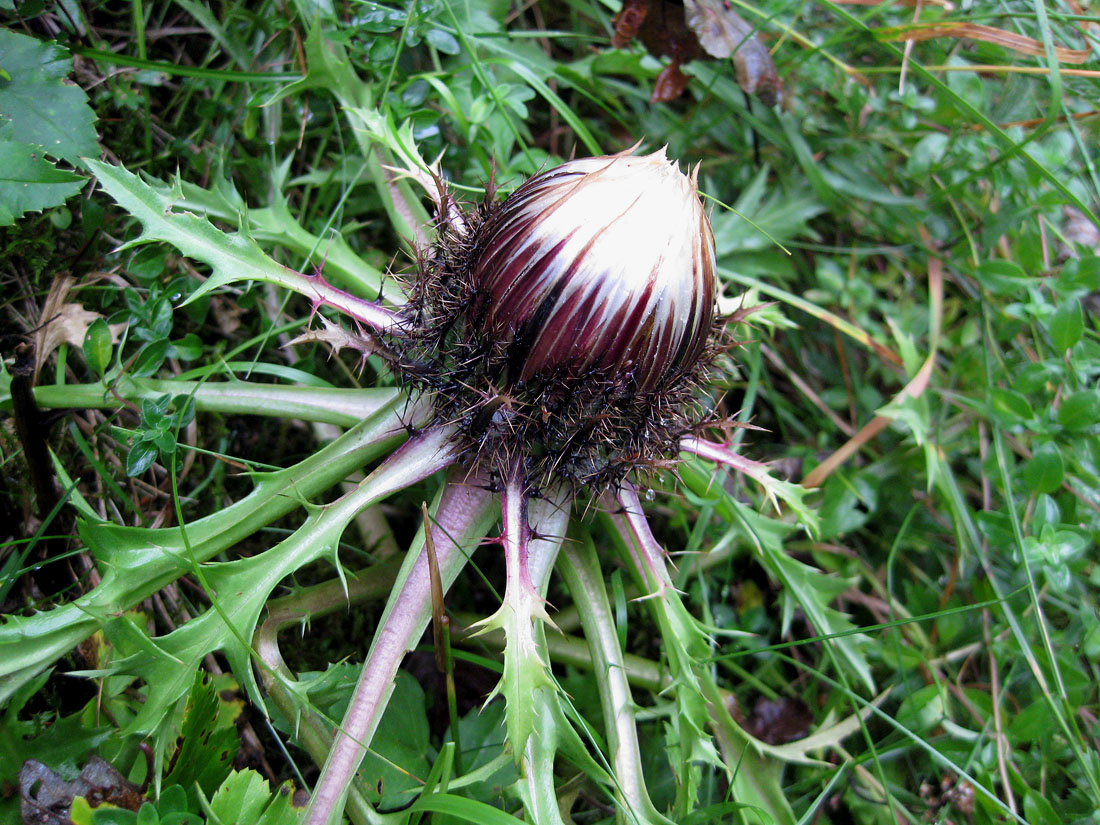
(517, 534)
(630, 519)
(582, 574)
(463, 514)
(721, 455)
(372, 315)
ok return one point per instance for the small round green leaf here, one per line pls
(1080, 274)
(443, 41)
(1067, 325)
(98, 347)
(1080, 411)
(141, 458)
(187, 348)
(1045, 471)
(1002, 277)
(151, 357)
(147, 815)
(1010, 408)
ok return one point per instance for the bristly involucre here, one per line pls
(569, 326)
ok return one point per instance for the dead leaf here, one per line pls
(670, 84)
(339, 339)
(987, 34)
(1078, 229)
(45, 798)
(698, 30)
(780, 720)
(227, 314)
(63, 323)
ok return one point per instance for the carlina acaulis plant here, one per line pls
(556, 345)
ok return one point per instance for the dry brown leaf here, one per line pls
(1078, 229)
(698, 30)
(987, 34)
(63, 323)
(722, 32)
(947, 5)
(227, 314)
(337, 338)
(777, 721)
(46, 798)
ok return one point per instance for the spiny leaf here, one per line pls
(807, 586)
(233, 257)
(205, 754)
(30, 183)
(136, 562)
(525, 671)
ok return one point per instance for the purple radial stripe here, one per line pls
(559, 339)
(624, 244)
(517, 293)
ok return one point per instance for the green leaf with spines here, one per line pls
(30, 183)
(135, 562)
(807, 587)
(205, 754)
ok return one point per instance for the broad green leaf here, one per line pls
(1010, 408)
(1080, 411)
(105, 815)
(41, 106)
(98, 347)
(1003, 277)
(150, 358)
(29, 182)
(246, 797)
(1080, 274)
(1044, 472)
(140, 458)
(1067, 325)
(466, 810)
(443, 41)
(206, 750)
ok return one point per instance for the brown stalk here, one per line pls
(987, 34)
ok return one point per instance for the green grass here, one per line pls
(912, 636)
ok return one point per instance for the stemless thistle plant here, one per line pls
(559, 339)
(553, 347)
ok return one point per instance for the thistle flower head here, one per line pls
(567, 326)
(601, 262)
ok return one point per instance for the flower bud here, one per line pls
(567, 327)
(600, 264)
